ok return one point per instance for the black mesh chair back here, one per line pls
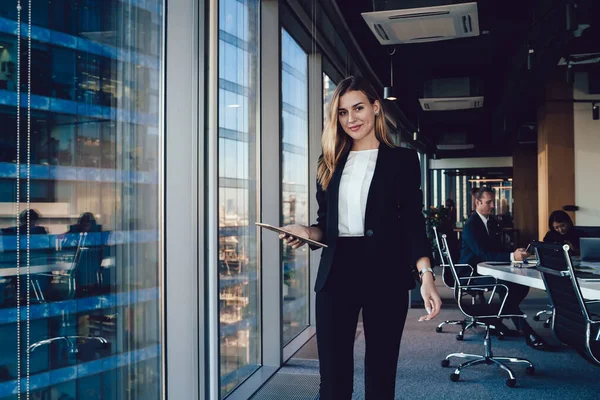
(571, 323)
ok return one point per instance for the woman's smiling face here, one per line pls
(356, 115)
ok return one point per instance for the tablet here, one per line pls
(279, 230)
(504, 263)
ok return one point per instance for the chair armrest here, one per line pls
(483, 286)
(458, 265)
(591, 301)
(470, 267)
(482, 276)
(494, 285)
(495, 280)
(466, 265)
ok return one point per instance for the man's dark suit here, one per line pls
(478, 246)
(371, 273)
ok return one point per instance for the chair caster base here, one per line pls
(511, 383)
(460, 337)
(438, 329)
(445, 363)
(454, 377)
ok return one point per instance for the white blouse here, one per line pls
(354, 189)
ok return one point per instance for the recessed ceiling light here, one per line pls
(233, 105)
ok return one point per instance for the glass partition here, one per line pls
(294, 174)
(80, 273)
(239, 307)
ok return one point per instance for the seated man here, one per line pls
(481, 241)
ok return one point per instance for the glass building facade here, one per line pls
(132, 172)
(294, 170)
(239, 309)
(80, 182)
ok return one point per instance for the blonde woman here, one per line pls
(370, 202)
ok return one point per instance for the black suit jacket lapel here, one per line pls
(482, 228)
(487, 238)
(377, 188)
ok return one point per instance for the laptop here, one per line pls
(590, 249)
(587, 276)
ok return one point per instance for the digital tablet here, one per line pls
(279, 230)
(505, 263)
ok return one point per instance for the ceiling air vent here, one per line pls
(428, 24)
(451, 103)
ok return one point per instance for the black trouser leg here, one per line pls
(516, 294)
(336, 316)
(384, 315)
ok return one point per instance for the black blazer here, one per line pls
(478, 246)
(394, 222)
(573, 236)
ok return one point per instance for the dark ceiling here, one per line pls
(497, 59)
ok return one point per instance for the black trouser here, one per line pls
(516, 294)
(357, 283)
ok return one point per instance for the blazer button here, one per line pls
(369, 232)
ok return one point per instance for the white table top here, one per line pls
(35, 269)
(47, 268)
(533, 278)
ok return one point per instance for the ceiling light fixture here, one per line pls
(388, 92)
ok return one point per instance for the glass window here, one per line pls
(84, 214)
(294, 170)
(239, 308)
(328, 90)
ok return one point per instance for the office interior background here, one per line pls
(140, 141)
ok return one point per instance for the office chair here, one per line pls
(573, 322)
(83, 275)
(488, 313)
(449, 282)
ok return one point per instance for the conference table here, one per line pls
(529, 276)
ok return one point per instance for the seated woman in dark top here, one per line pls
(561, 231)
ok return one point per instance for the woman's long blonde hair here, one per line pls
(336, 143)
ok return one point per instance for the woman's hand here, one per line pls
(431, 297)
(297, 229)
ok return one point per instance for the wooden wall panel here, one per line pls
(556, 157)
(525, 192)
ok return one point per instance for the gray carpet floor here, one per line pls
(559, 374)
